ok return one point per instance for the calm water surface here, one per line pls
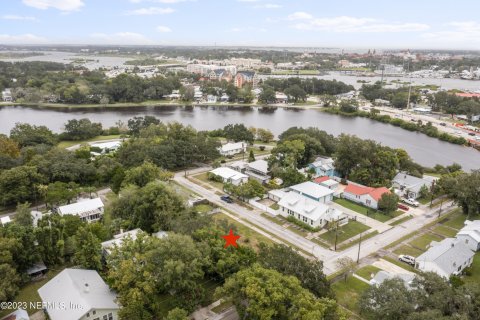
(425, 150)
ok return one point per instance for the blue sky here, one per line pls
(404, 24)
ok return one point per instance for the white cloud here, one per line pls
(62, 5)
(268, 6)
(130, 38)
(21, 39)
(300, 16)
(163, 29)
(352, 24)
(249, 0)
(467, 32)
(16, 17)
(150, 11)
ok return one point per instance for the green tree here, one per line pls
(17, 185)
(141, 175)
(177, 314)
(286, 261)
(27, 135)
(260, 293)
(9, 285)
(346, 265)
(151, 208)
(23, 216)
(251, 156)
(465, 192)
(264, 135)
(267, 95)
(238, 132)
(389, 300)
(296, 92)
(388, 202)
(81, 129)
(88, 253)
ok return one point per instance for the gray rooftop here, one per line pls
(448, 254)
(413, 183)
(83, 288)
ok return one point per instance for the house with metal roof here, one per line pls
(76, 294)
(366, 196)
(118, 239)
(323, 166)
(230, 176)
(232, 148)
(309, 211)
(87, 209)
(258, 170)
(446, 258)
(410, 186)
(382, 275)
(313, 191)
(470, 235)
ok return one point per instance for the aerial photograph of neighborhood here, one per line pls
(239, 160)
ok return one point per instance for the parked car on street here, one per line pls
(226, 198)
(407, 259)
(411, 202)
(403, 207)
(443, 124)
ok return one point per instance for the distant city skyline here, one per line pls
(425, 24)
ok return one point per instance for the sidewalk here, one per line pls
(372, 223)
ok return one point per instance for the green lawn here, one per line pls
(203, 208)
(402, 220)
(377, 215)
(367, 271)
(445, 231)
(351, 229)
(352, 243)
(475, 268)
(222, 307)
(423, 241)
(275, 206)
(247, 236)
(66, 144)
(408, 250)
(456, 220)
(348, 292)
(204, 178)
(29, 292)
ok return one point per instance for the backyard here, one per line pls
(348, 292)
(369, 212)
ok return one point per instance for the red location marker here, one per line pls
(231, 239)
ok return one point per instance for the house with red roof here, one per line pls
(326, 181)
(366, 196)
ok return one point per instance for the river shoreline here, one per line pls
(153, 104)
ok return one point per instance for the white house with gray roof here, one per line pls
(230, 176)
(232, 148)
(314, 191)
(447, 257)
(470, 234)
(78, 294)
(410, 186)
(309, 211)
(383, 275)
(87, 209)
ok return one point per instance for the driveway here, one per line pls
(390, 267)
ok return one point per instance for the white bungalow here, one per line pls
(470, 234)
(313, 191)
(88, 209)
(230, 176)
(230, 149)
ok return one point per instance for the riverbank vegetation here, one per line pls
(427, 128)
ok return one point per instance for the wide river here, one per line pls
(426, 151)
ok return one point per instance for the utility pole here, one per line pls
(432, 190)
(336, 234)
(359, 244)
(440, 210)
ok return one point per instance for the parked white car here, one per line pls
(411, 202)
(407, 259)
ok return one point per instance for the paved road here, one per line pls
(329, 257)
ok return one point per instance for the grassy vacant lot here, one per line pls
(66, 144)
(475, 277)
(411, 251)
(203, 208)
(248, 236)
(29, 292)
(423, 241)
(455, 220)
(348, 292)
(377, 215)
(351, 229)
(445, 231)
(367, 271)
(204, 178)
